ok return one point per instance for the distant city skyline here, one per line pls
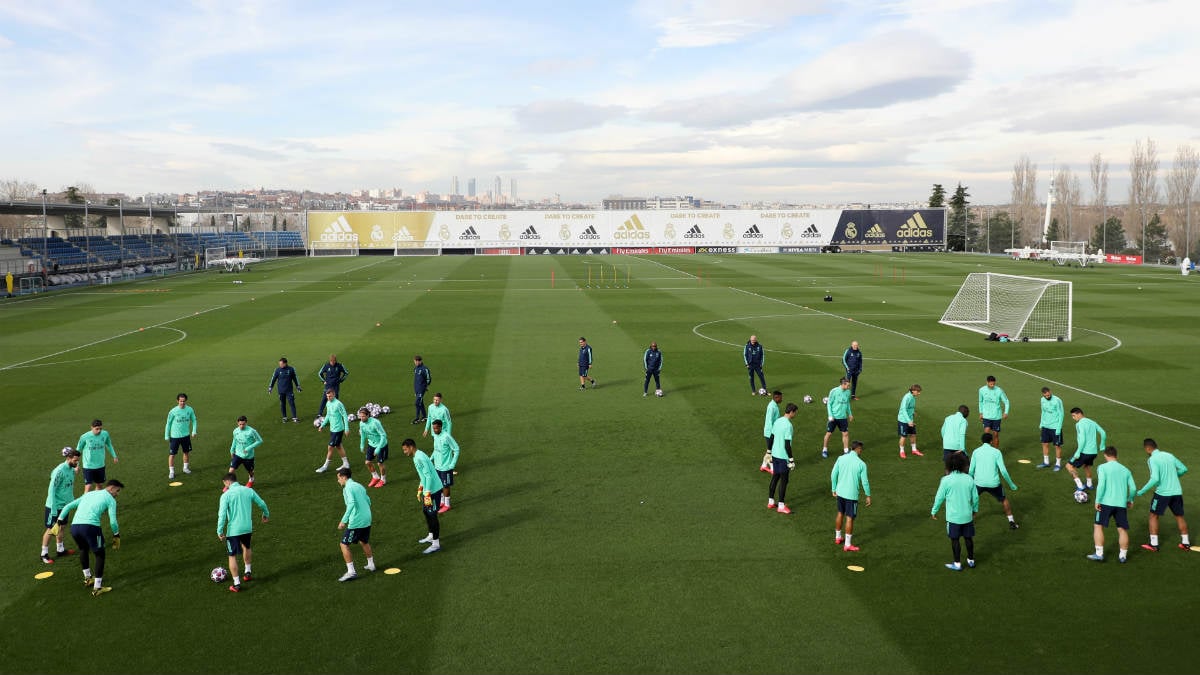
(794, 101)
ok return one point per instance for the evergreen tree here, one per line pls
(1155, 244)
(938, 199)
(1053, 233)
(1109, 236)
(956, 225)
(1002, 232)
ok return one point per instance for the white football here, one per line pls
(1081, 497)
(318, 422)
(808, 399)
(762, 392)
(658, 393)
(825, 400)
(218, 575)
(66, 451)
(386, 410)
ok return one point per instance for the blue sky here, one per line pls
(800, 101)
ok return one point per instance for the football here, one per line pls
(658, 393)
(762, 392)
(1081, 497)
(66, 451)
(318, 422)
(808, 399)
(218, 575)
(825, 400)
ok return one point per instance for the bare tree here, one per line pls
(17, 190)
(1100, 190)
(1181, 185)
(1143, 183)
(1024, 199)
(1066, 193)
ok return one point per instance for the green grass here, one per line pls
(593, 531)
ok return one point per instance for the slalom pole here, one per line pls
(551, 277)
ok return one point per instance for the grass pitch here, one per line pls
(594, 531)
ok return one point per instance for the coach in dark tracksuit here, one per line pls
(285, 378)
(652, 362)
(421, 380)
(852, 362)
(333, 374)
(753, 355)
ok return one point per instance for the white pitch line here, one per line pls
(998, 364)
(107, 339)
(655, 262)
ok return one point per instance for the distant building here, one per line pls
(619, 203)
(455, 190)
(470, 187)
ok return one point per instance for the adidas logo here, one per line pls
(876, 232)
(752, 233)
(914, 227)
(632, 229)
(403, 235)
(530, 233)
(811, 231)
(339, 230)
(694, 233)
(469, 233)
(590, 233)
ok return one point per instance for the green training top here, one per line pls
(445, 451)
(1052, 413)
(1165, 471)
(769, 419)
(92, 506)
(1085, 434)
(782, 431)
(838, 406)
(957, 491)
(426, 472)
(908, 408)
(358, 505)
(180, 423)
(236, 508)
(92, 447)
(954, 432)
(336, 416)
(1114, 486)
(438, 411)
(848, 471)
(244, 442)
(62, 487)
(987, 466)
(993, 402)
(371, 433)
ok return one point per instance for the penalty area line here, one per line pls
(108, 339)
(979, 359)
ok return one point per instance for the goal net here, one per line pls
(214, 256)
(1021, 307)
(1067, 252)
(333, 248)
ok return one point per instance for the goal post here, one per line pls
(1024, 308)
(1067, 252)
(213, 256)
(333, 248)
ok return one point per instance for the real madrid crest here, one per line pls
(505, 234)
(376, 233)
(851, 231)
(670, 231)
(444, 232)
(564, 232)
(786, 231)
(728, 230)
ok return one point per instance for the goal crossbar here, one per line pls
(1024, 308)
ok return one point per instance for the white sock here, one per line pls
(1058, 461)
(824, 449)
(446, 500)
(171, 473)
(98, 581)
(371, 563)
(248, 569)
(914, 447)
(770, 503)
(437, 543)
(1045, 459)
(350, 568)
(237, 581)
(837, 534)
(326, 464)
(62, 548)
(186, 466)
(345, 463)
(1078, 483)
(1185, 540)
(1153, 542)
(87, 573)
(45, 550)
(1100, 551)
(1089, 482)
(1124, 552)
(848, 539)
(1010, 519)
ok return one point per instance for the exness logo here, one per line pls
(811, 232)
(530, 233)
(752, 233)
(589, 233)
(631, 229)
(915, 227)
(469, 233)
(339, 230)
(876, 232)
(694, 233)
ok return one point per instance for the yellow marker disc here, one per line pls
(1024, 461)
(43, 575)
(855, 568)
(392, 570)
(174, 483)
(1196, 548)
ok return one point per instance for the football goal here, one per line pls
(333, 248)
(1067, 252)
(1024, 308)
(214, 256)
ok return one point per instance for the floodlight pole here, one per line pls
(45, 233)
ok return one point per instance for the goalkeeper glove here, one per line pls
(791, 464)
(116, 543)
(428, 499)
